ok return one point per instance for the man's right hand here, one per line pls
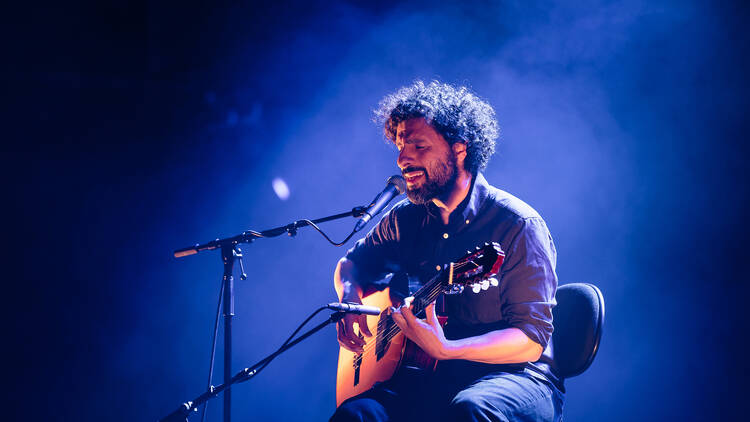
(349, 292)
(349, 338)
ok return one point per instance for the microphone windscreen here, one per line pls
(398, 182)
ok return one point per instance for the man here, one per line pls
(445, 136)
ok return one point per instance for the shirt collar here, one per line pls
(469, 207)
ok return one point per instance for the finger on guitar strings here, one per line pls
(409, 316)
(351, 347)
(348, 345)
(348, 339)
(363, 327)
(351, 332)
(398, 319)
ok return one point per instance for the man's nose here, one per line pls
(404, 159)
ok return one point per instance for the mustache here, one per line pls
(412, 168)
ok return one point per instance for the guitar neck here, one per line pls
(427, 294)
(422, 297)
(430, 291)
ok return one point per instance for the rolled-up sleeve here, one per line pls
(529, 282)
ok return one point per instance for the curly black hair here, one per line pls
(456, 113)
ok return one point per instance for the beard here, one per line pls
(440, 179)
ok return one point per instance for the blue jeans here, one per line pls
(457, 396)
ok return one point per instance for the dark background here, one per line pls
(134, 128)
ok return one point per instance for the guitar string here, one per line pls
(394, 330)
(432, 288)
(433, 292)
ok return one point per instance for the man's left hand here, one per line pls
(427, 333)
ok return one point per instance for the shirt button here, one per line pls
(445, 235)
(467, 221)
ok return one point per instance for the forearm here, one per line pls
(510, 345)
(346, 285)
(348, 290)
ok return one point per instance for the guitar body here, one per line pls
(388, 349)
(357, 373)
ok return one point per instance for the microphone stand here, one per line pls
(230, 252)
(182, 412)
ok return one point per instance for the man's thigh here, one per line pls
(507, 397)
(368, 409)
(402, 398)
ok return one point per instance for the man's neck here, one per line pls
(453, 199)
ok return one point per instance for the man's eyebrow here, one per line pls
(408, 141)
(404, 137)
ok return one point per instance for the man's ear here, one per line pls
(459, 150)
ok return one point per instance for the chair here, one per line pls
(578, 319)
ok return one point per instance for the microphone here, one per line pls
(353, 308)
(394, 186)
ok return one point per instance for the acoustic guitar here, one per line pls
(388, 349)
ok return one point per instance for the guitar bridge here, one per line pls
(357, 363)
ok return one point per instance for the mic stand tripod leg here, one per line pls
(182, 413)
(250, 372)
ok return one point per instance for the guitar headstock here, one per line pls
(476, 269)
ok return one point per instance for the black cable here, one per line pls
(326, 236)
(317, 311)
(292, 228)
(213, 350)
(288, 340)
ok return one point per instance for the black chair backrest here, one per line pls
(578, 319)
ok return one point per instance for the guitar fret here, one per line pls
(425, 295)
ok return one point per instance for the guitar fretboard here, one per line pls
(387, 329)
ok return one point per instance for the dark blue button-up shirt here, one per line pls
(412, 239)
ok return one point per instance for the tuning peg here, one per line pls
(477, 248)
(485, 284)
(476, 288)
(494, 282)
(454, 289)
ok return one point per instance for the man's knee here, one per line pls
(360, 410)
(344, 413)
(473, 407)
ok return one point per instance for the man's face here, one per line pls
(426, 160)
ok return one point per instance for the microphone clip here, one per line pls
(359, 211)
